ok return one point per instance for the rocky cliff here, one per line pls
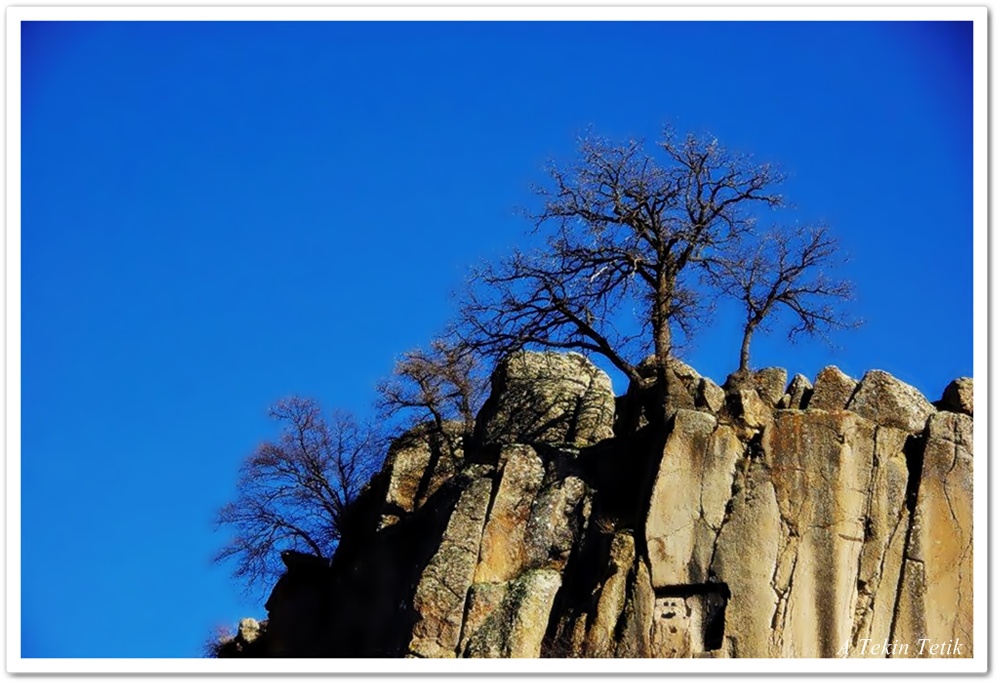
(766, 519)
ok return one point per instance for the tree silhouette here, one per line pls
(292, 494)
(624, 232)
(784, 271)
(442, 383)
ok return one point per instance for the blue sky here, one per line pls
(217, 215)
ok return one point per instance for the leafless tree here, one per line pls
(292, 494)
(624, 232)
(442, 383)
(784, 271)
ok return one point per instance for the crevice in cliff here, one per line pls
(913, 450)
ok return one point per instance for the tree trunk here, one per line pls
(745, 349)
(662, 343)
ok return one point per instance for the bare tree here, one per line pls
(292, 494)
(442, 383)
(784, 271)
(623, 232)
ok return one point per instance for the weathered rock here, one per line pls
(558, 514)
(504, 548)
(637, 618)
(958, 396)
(611, 601)
(547, 397)
(514, 626)
(885, 527)
(766, 532)
(748, 407)
(689, 498)
(683, 384)
(789, 551)
(936, 599)
(710, 396)
(418, 463)
(770, 384)
(799, 392)
(832, 390)
(440, 595)
(890, 402)
(248, 631)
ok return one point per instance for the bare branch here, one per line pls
(293, 493)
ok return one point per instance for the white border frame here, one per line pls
(557, 12)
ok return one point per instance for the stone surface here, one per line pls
(957, 396)
(799, 392)
(504, 549)
(889, 401)
(832, 389)
(749, 408)
(770, 384)
(248, 631)
(611, 600)
(690, 494)
(547, 397)
(711, 396)
(418, 463)
(558, 514)
(513, 626)
(746, 531)
(937, 596)
(440, 595)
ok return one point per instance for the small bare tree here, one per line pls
(784, 271)
(624, 233)
(292, 494)
(439, 384)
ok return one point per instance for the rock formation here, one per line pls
(821, 519)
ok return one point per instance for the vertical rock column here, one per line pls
(935, 602)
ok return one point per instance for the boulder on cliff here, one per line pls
(889, 401)
(546, 397)
(957, 396)
(832, 389)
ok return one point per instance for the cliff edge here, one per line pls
(767, 518)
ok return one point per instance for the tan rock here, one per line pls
(770, 384)
(799, 392)
(821, 466)
(517, 625)
(890, 402)
(689, 498)
(832, 390)
(504, 548)
(886, 523)
(958, 396)
(936, 601)
(611, 600)
(410, 457)
(711, 396)
(248, 631)
(637, 617)
(750, 409)
(439, 601)
(745, 558)
(558, 514)
(547, 397)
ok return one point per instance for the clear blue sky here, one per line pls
(218, 215)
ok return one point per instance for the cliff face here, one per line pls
(764, 520)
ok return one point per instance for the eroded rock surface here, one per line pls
(549, 398)
(760, 521)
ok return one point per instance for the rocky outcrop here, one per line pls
(958, 396)
(890, 402)
(813, 520)
(832, 389)
(545, 397)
